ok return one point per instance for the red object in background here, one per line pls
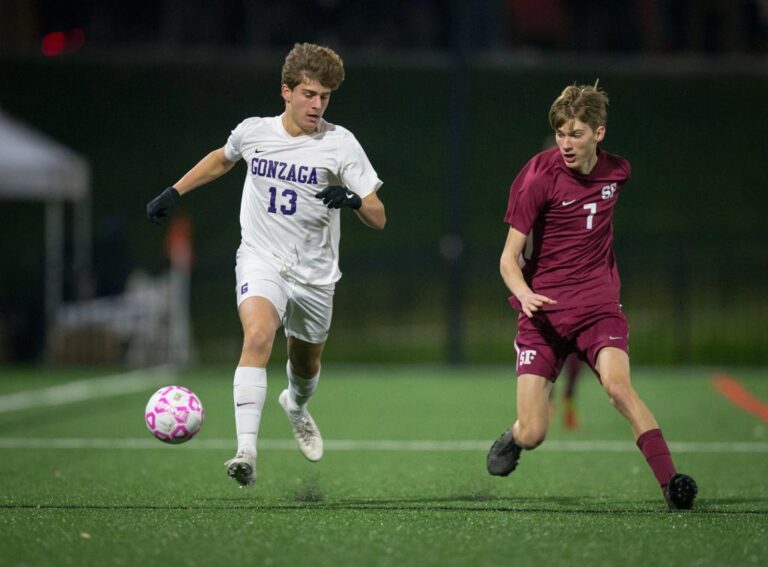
(178, 241)
(53, 44)
(57, 42)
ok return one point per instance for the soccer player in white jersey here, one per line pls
(301, 170)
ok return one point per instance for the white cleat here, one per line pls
(242, 467)
(304, 430)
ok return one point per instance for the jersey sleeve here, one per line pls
(232, 149)
(356, 172)
(527, 198)
(626, 169)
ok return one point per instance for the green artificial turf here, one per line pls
(379, 504)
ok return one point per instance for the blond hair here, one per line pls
(307, 61)
(583, 102)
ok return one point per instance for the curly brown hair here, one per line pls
(315, 63)
(586, 103)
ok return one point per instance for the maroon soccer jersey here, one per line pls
(569, 216)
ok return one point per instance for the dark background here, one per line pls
(449, 100)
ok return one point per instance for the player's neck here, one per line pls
(589, 165)
(292, 128)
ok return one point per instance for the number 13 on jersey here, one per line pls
(288, 199)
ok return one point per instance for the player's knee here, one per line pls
(619, 394)
(257, 342)
(530, 436)
(305, 368)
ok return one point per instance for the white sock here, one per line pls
(300, 389)
(249, 392)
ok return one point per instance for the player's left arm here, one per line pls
(360, 185)
(372, 212)
(369, 209)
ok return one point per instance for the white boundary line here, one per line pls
(424, 446)
(80, 390)
(138, 380)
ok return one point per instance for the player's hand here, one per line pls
(335, 197)
(532, 302)
(159, 208)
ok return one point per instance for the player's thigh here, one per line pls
(533, 401)
(262, 296)
(533, 392)
(603, 328)
(257, 277)
(612, 365)
(260, 319)
(304, 356)
(308, 314)
(540, 351)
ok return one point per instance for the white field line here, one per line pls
(116, 384)
(374, 445)
(139, 380)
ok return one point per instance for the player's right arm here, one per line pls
(509, 266)
(211, 167)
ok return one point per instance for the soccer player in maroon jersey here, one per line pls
(567, 286)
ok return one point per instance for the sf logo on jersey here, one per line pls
(526, 357)
(608, 191)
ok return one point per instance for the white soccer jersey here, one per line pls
(281, 220)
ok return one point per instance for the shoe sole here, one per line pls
(312, 458)
(242, 473)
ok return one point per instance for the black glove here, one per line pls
(159, 208)
(336, 197)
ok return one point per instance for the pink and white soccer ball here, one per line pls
(174, 414)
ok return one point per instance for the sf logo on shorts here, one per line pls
(526, 357)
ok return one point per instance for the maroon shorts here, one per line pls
(545, 341)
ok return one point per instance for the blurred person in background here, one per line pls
(572, 371)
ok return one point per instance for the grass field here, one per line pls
(403, 480)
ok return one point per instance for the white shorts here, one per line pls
(304, 310)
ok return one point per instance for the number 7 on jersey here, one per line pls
(592, 208)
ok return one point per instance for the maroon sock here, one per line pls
(656, 452)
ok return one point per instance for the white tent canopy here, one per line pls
(35, 168)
